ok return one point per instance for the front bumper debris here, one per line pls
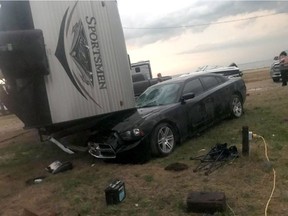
(108, 147)
(101, 150)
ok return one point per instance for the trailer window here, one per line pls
(137, 69)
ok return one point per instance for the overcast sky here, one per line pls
(178, 36)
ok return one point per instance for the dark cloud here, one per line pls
(199, 16)
(248, 42)
(217, 46)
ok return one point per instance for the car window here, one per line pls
(220, 79)
(193, 86)
(210, 81)
(159, 95)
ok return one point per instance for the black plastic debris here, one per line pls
(218, 156)
(58, 166)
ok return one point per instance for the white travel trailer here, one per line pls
(64, 62)
(142, 67)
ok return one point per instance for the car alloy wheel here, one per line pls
(163, 140)
(236, 106)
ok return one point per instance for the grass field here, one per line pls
(151, 190)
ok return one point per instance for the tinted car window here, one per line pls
(194, 86)
(210, 81)
(220, 80)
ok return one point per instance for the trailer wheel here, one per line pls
(163, 140)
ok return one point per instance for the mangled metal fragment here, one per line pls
(58, 166)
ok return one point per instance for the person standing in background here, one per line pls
(159, 77)
(283, 67)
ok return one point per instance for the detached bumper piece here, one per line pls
(101, 150)
(57, 167)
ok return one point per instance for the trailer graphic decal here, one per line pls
(81, 74)
(80, 53)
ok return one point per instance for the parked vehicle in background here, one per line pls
(142, 67)
(227, 71)
(142, 77)
(169, 112)
(275, 69)
(140, 83)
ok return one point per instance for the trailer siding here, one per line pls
(99, 81)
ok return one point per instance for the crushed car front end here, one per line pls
(113, 143)
(127, 135)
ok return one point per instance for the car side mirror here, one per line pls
(276, 58)
(187, 97)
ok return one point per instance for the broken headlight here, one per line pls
(133, 134)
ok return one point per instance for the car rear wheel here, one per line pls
(236, 106)
(163, 140)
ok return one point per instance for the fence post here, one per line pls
(245, 141)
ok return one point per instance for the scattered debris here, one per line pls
(36, 180)
(219, 155)
(57, 167)
(176, 166)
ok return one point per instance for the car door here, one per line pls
(217, 92)
(195, 108)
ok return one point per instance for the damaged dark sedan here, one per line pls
(169, 112)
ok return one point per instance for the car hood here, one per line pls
(139, 117)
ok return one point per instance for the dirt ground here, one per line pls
(12, 132)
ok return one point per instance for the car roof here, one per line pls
(182, 79)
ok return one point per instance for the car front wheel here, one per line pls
(163, 140)
(236, 106)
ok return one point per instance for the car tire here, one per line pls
(163, 140)
(236, 106)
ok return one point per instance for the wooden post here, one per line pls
(245, 141)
